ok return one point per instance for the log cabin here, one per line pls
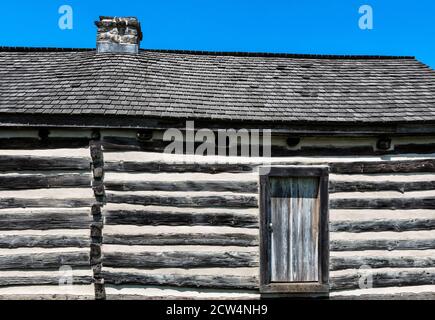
(115, 184)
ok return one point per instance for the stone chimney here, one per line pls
(118, 35)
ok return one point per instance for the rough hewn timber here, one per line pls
(156, 218)
(392, 224)
(37, 143)
(40, 220)
(210, 239)
(39, 259)
(43, 241)
(48, 180)
(19, 163)
(382, 259)
(384, 277)
(400, 166)
(43, 203)
(405, 166)
(380, 203)
(382, 244)
(230, 185)
(155, 166)
(177, 259)
(364, 186)
(231, 201)
(213, 281)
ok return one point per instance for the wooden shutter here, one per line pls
(295, 233)
(294, 228)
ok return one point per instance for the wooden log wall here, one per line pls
(187, 226)
(179, 230)
(45, 201)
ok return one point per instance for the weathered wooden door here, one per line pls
(294, 229)
(294, 207)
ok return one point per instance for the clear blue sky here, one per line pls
(321, 26)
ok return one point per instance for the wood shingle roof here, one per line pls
(221, 86)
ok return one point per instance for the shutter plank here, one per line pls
(309, 211)
(295, 229)
(280, 234)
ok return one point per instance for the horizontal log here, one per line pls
(383, 277)
(364, 186)
(184, 200)
(155, 166)
(151, 235)
(418, 240)
(404, 166)
(384, 224)
(217, 278)
(45, 239)
(232, 186)
(37, 143)
(384, 195)
(212, 167)
(426, 292)
(186, 239)
(33, 259)
(383, 203)
(48, 180)
(44, 203)
(26, 278)
(178, 217)
(190, 257)
(382, 259)
(366, 220)
(21, 162)
(45, 218)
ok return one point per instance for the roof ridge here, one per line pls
(277, 54)
(215, 53)
(42, 49)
